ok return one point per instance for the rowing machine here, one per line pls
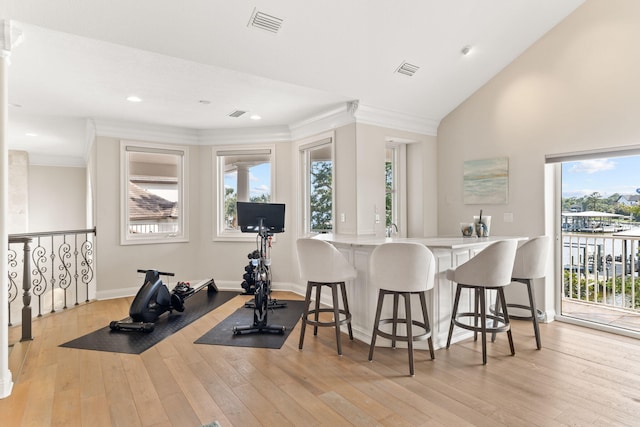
(154, 298)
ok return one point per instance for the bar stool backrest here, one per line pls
(490, 267)
(531, 258)
(321, 262)
(402, 267)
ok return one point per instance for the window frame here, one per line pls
(220, 233)
(553, 227)
(398, 185)
(304, 149)
(126, 238)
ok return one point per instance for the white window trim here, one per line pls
(303, 191)
(399, 196)
(219, 233)
(183, 180)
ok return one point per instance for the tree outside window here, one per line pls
(321, 196)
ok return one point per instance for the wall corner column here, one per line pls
(9, 38)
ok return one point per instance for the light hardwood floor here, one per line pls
(580, 377)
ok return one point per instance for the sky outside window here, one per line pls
(606, 176)
(259, 180)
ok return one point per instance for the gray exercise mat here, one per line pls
(135, 342)
(222, 333)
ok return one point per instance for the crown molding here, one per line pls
(145, 132)
(344, 114)
(393, 120)
(327, 120)
(355, 112)
(232, 136)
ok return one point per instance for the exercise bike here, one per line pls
(250, 278)
(257, 217)
(154, 298)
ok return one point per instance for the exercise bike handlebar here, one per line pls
(159, 272)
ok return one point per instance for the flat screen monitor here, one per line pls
(250, 216)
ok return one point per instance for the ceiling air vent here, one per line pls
(407, 69)
(265, 21)
(237, 113)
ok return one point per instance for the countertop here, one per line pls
(441, 242)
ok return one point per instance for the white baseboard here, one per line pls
(116, 293)
(549, 316)
(296, 288)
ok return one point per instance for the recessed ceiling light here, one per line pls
(16, 105)
(31, 134)
(465, 50)
(204, 102)
(134, 98)
(255, 117)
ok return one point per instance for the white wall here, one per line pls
(57, 198)
(421, 180)
(345, 154)
(576, 89)
(18, 196)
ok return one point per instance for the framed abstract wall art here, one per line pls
(486, 181)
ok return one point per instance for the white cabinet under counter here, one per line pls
(449, 252)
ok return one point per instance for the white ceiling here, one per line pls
(80, 59)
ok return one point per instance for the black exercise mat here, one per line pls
(134, 342)
(222, 333)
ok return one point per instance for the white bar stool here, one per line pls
(530, 263)
(488, 270)
(321, 264)
(402, 269)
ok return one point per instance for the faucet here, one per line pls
(390, 229)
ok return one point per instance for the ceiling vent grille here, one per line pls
(407, 69)
(237, 113)
(265, 21)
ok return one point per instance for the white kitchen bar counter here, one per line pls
(448, 252)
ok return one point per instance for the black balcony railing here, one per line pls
(57, 270)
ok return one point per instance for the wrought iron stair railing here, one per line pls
(57, 270)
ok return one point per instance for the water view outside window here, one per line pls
(600, 234)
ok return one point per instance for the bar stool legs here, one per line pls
(340, 316)
(500, 321)
(409, 338)
(535, 315)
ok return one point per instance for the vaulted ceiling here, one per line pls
(193, 63)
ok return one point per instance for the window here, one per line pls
(316, 164)
(391, 199)
(153, 193)
(395, 187)
(599, 238)
(244, 175)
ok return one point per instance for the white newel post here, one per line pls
(9, 38)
